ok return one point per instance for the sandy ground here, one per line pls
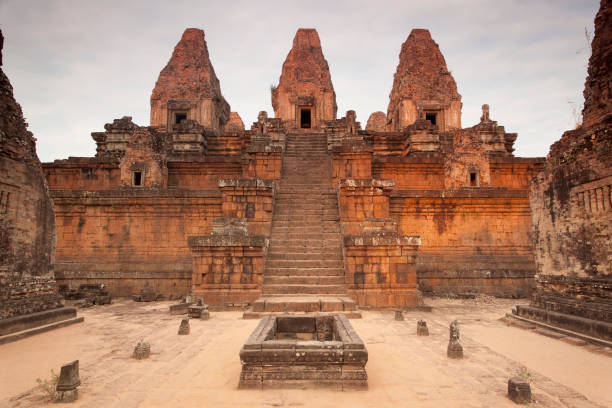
(202, 369)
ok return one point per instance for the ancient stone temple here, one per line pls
(571, 200)
(28, 292)
(303, 211)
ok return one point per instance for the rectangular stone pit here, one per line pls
(303, 352)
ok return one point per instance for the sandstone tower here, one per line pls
(305, 96)
(187, 87)
(422, 83)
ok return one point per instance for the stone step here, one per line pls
(305, 223)
(301, 289)
(294, 237)
(321, 212)
(290, 263)
(304, 304)
(303, 218)
(296, 249)
(297, 205)
(289, 243)
(306, 253)
(305, 257)
(304, 280)
(289, 271)
(282, 225)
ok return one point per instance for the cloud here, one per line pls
(77, 65)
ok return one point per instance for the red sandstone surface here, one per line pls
(234, 123)
(189, 75)
(305, 74)
(422, 73)
(377, 122)
(598, 86)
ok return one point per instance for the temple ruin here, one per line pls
(304, 211)
(308, 213)
(28, 292)
(571, 202)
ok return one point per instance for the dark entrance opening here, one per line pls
(137, 178)
(305, 119)
(179, 117)
(431, 117)
(473, 180)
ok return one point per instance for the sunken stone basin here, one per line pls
(304, 351)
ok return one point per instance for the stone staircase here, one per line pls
(304, 267)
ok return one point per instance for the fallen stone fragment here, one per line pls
(422, 329)
(399, 315)
(519, 390)
(142, 350)
(184, 327)
(66, 388)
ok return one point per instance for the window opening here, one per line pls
(137, 178)
(431, 117)
(179, 117)
(473, 179)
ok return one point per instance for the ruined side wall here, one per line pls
(82, 174)
(202, 175)
(411, 173)
(132, 238)
(514, 173)
(27, 228)
(572, 206)
(473, 240)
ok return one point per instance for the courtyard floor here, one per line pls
(202, 369)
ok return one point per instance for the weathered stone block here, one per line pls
(519, 390)
(184, 327)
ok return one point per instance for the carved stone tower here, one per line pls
(305, 96)
(423, 86)
(187, 87)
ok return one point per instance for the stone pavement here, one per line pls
(404, 369)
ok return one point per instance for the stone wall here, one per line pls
(27, 224)
(571, 202)
(131, 238)
(473, 240)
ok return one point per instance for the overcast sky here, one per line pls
(76, 65)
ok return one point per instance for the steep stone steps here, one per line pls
(304, 271)
(304, 267)
(304, 280)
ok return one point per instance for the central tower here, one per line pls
(305, 97)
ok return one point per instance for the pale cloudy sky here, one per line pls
(76, 65)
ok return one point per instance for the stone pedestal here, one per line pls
(381, 266)
(184, 328)
(422, 329)
(66, 388)
(228, 264)
(142, 350)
